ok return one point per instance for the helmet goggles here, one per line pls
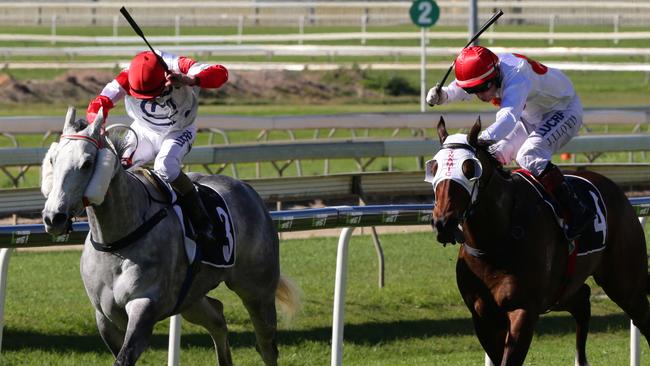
(479, 88)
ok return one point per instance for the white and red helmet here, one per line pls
(475, 66)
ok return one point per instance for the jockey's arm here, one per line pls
(109, 96)
(456, 94)
(204, 75)
(513, 101)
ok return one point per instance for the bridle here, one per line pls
(477, 182)
(98, 144)
(453, 164)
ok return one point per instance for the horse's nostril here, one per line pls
(59, 219)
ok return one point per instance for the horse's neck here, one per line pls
(122, 210)
(490, 221)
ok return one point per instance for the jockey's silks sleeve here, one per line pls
(209, 77)
(513, 101)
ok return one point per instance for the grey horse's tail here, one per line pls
(287, 296)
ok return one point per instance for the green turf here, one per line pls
(417, 319)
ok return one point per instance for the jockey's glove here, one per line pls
(502, 151)
(437, 95)
(177, 80)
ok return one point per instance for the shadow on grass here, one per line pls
(366, 333)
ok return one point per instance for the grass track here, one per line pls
(417, 319)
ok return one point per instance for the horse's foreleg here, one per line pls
(579, 306)
(111, 335)
(491, 330)
(141, 313)
(208, 313)
(522, 326)
(264, 317)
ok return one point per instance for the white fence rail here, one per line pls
(315, 12)
(639, 117)
(330, 51)
(362, 37)
(346, 217)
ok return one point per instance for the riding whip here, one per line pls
(474, 38)
(139, 32)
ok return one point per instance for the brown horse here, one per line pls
(512, 265)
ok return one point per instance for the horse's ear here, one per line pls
(473, 133)
(97, 125)
(69, 121)
(442, 130)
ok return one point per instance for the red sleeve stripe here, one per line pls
(184, 64)
(123, 79)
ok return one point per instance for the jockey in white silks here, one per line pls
(163, 105)
(539, 112)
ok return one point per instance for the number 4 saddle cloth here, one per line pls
(594, 237)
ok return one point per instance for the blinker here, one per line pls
(450, 160)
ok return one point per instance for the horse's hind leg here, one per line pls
(111, 335)
(579, 306)
(208, 313)
(630, 295)
(264, 317)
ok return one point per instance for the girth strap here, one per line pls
(132, 236)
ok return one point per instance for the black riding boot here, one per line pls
(191, 203)
(580, 215)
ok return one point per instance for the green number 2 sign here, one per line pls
(424, 13)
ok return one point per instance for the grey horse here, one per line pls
(143, 282)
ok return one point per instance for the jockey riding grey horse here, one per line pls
(145, 279)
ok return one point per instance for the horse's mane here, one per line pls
(483, 145)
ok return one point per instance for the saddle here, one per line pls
(224, 231)
(593, 239)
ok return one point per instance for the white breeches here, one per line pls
(555, 129)
(166, 151)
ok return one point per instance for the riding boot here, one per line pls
(580, 215)
(191, 203)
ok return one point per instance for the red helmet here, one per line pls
(146, 76)
(474, 66)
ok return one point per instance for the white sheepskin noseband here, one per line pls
(105, 167)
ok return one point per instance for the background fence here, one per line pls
(288, 13)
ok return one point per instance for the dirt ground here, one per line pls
(77, 86)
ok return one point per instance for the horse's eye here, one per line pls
(471, 169)
(86, 165)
